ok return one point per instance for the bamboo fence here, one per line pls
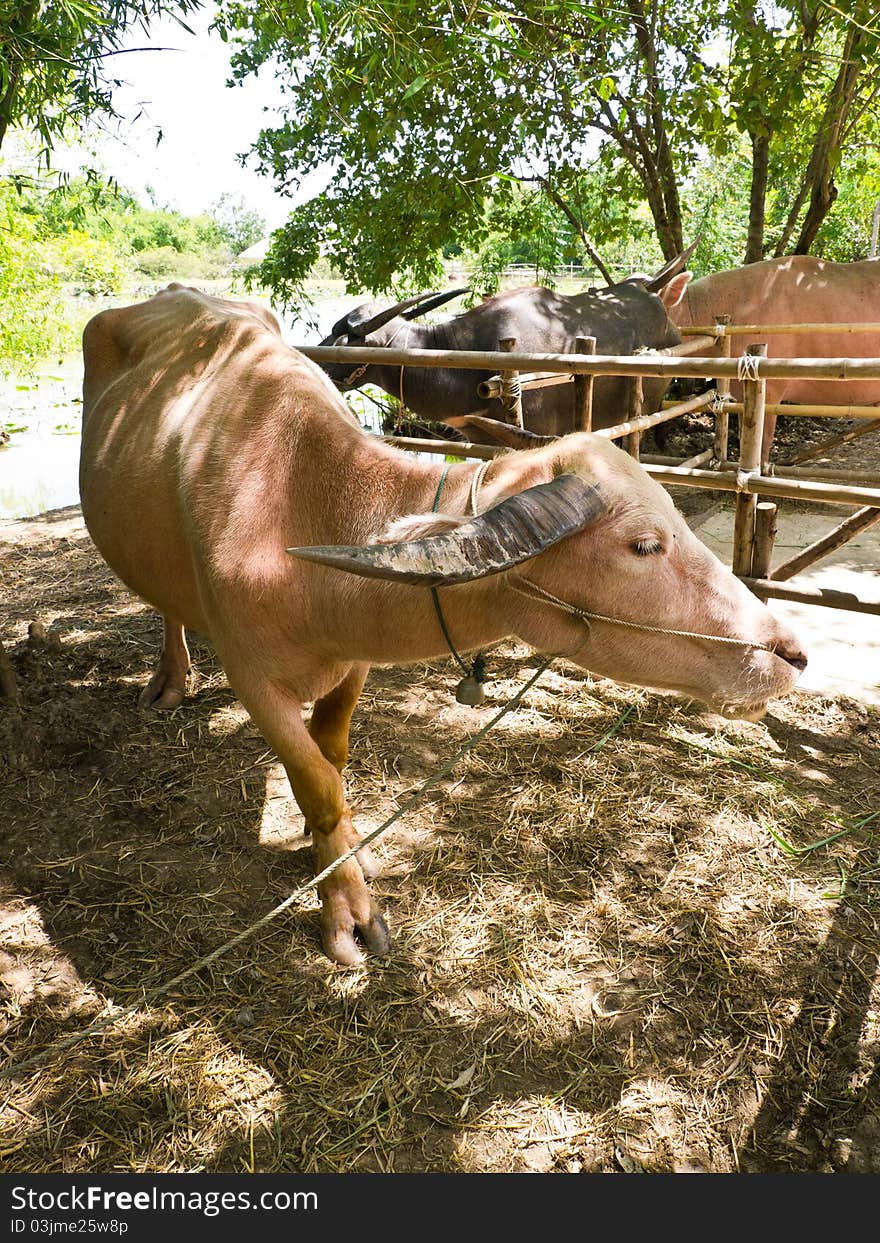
(748, 478)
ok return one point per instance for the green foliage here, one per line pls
(846, 233)
(32, 323)
(160, 262)
(153, 228)
(92, 239)
(91, 265)
(239, 226)
(424, 113)
(54, 71)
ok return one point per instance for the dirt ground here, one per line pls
(628, 936)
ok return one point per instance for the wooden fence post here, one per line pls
(511, 393)
(635, 401)
(765, 534)
(751, 431)
(583, 389)
(722, 387)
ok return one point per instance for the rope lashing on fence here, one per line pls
(150, 996)
(718, 403)
(747, 366)
(511, 389)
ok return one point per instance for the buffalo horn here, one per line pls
(363, 328)
(507, 433)
(672, 268)
(432, 303)
(518, 528)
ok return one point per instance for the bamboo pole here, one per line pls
(655, 365)
(674, 476)
(832, 442)
(812, 595)
(635, 401)
(662, 459)
(794, 489)
(704, 341)
(722, 387)
(751, 430)
(491, 388)
(511, 393)
(699, 459)
(765, 534)
(739, 330)
(805, 411)
(817, 473)
(582, 414)
(651, 420)
(847, 530)
(826, 493)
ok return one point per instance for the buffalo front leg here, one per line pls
(166, 689)
(329, 727)
(346, 905)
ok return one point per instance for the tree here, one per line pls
(424, 112)
(421, 108)
(54, 59)
(805, 93)
(239, 225)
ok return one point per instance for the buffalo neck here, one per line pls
(389, 622)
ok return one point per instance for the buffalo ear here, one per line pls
(513, 531)
(672, 294)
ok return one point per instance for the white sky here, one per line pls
(204, 123)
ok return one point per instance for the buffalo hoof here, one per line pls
(339, 923)
(160, 695)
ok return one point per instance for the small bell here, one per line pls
(470, 692)
(470, 689)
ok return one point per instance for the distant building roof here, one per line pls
(253, 254)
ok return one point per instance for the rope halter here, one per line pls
(526, 587)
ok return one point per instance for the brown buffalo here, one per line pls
(210, 449)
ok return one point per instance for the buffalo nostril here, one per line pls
(795, 658)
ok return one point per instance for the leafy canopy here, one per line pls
(423, 114)
(55, 59)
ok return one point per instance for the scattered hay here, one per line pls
(628, 936)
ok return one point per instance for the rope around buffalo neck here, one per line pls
(161, 990)
(477, 670)
(526, 587)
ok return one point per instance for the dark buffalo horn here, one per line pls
(438, 299)
(672, 268)
(513, 531)
(363, 328)
(507, 434)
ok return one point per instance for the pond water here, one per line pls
(39, 466)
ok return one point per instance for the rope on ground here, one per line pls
(152, 995)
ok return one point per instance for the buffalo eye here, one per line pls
(646, 546)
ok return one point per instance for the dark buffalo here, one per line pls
(623, 318)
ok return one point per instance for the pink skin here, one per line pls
(210, 447)
(797, 289)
